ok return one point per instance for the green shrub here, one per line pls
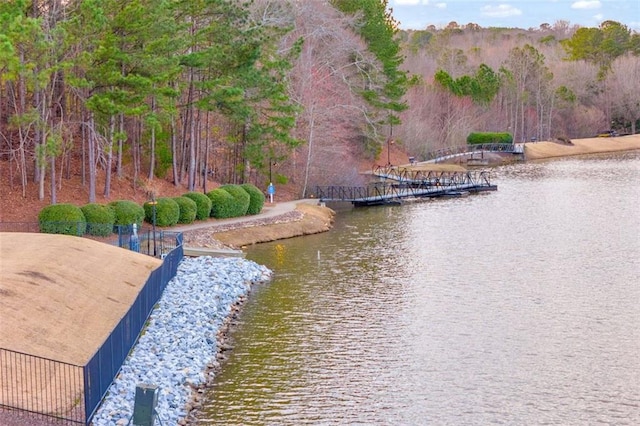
(256, 196)
(477, 138)
(62, 219)
(100, 219)
(222, 203)
(188, 209)
(203, 204)
(127, 212)
(167, 212)
(241, 197)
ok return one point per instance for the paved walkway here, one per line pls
(268, 211)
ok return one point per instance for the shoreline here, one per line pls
(549, 150)
(306, 218)
(310, 218)
(226, 288)
(181, 348)
(540, 151)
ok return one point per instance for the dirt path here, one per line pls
(286, 220)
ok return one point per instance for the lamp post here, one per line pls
(153, 223)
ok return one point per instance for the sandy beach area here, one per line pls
(544, 150)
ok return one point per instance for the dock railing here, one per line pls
(408, 184)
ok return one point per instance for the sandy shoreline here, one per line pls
(545, 150)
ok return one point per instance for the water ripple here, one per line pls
(516, 307)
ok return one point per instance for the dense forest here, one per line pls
(295, 92)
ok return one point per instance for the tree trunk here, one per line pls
(309, 148)
(37, 136)
(135, 147)
(206, 168)
(41, 165)
(120, 146)
(91, 158)
(85, 139)
(54, 196)
(174, 154)
(192, 155)
(107, 178)
(152, 148)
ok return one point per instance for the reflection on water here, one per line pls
(520, 306)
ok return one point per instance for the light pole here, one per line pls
(155, 252)
(153, 223)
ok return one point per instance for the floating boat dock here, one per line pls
(398, 184)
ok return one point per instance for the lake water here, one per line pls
(518, 307)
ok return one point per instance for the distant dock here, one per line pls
(398, 184)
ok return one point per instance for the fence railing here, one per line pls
(70, 393)
(156, 243)
(106, 362)
(41, 386)
(147, 239)
(444, 153)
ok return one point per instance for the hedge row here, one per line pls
(100, 219)
(477, 138)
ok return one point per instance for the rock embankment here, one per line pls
(178, 350)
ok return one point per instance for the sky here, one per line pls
(418, 14)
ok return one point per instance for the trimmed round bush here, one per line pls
(100, 219)
(62, 219)
(203, 204)
(188, 209)
(127, 212)
(167, 212)
(256, 198)
(241, 197)
(222, 204)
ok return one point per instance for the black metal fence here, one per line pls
(444, 153)
(156, 243)
(71, 394)
(145, 239)
(41, 386)
(105, 364)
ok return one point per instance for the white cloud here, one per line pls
(598, 17)
(410, 2)
(586, 4)
(441, 5)
(500, 11)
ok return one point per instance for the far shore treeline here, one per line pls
(298, 93)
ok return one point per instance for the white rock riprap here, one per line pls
(180, 342)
